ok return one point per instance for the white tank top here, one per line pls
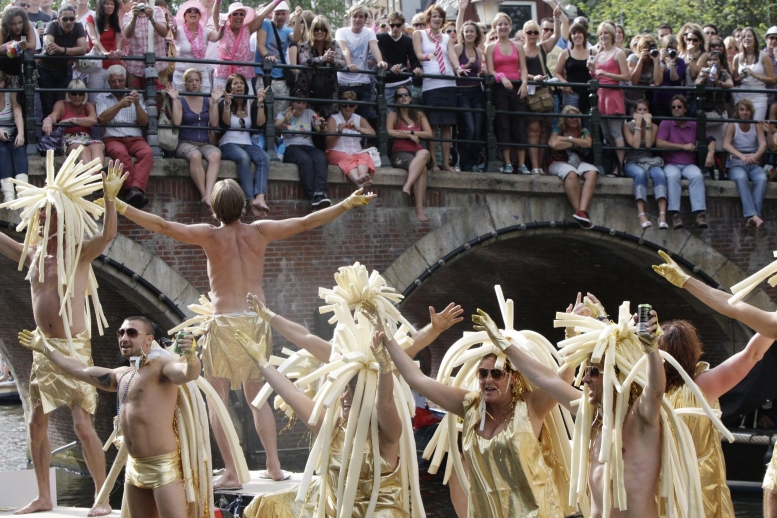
(6, 114)
(432, 66)
(750, 81)
(238, 137)
(744, 142)
(345, 144)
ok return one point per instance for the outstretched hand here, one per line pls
(34, 341)
(257, 351)
(380, 352)
(484, 323)
(671, 271)
(594, 306)
(446, 318)
(121, 206)
(358, 199)
(258, 306)
(373, 313)
(113, 181)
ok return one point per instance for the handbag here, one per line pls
(374, 154)
(712, 115)
(87, 66)
(322, 84)
(541, 101)
(54, 141)
(168, 137)
(288, 74)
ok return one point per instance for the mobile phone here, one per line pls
(24, 38)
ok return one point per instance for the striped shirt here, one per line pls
(125, 116)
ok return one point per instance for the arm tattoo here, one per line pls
(104, 381)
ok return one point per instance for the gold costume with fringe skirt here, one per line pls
(508, 474)
(709, 453)
(223, 357)
(282, 504)
(52, 387)
(153, 472)
(770, 479)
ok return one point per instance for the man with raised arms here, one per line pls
(641, 428)
(48, 389)
(235, 252)
(147, 394)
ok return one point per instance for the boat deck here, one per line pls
(58, 512)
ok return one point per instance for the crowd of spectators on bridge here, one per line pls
(325, 114)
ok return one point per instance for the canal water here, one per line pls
(78, 490)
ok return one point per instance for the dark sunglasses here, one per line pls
(401, 95)
(532, 33)
(192, 10)
(242, 123)
(692, 40)
(25, 6)
(771, 37)
(77, 94)
(496, 374)
(348, 105)
(421, 25)
(450, 31)
(716, 45)
(593, 372)
(678, 107)
(395, 25)
(239, 14)
(68, 19)
(547, 29)
(320, 29)
(131, 333)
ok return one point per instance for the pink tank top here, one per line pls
(75, 129)
(405, 144)
(507, 65)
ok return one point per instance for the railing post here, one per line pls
(152, 135)
(28, 72)
(701, 128)
(269, 110)
(492, 166)
(596, 121)
(381, 121)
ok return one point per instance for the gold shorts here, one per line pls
(770, 479)
(52, 387)
(223, 357)
(153, 472)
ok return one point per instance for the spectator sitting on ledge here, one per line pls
(125, 113)
(346, 152)
(80, 116)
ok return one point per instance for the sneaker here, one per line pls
(677, 221)
(508, 169)
(136, 198)
(320, 202)
(523, 169)
(478, 168)
(701, 220)
(582, 218)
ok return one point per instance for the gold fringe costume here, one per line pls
(508, 474)
(390, 503)
(770, 479)
(52, 388)
(154, 472)
(709, 453)
(223, 357)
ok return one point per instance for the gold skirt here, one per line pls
(153, 472)
(52, 388)
(770, 480)
(223, 357)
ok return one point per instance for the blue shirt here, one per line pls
(272, 46)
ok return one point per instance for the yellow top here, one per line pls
(508, 474)
(712, 465)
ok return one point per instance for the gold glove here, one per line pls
(382, 357)
(650, 342)
(485, 323)
(113, 181)
(357, 199)
(569, 332)
(596, 308)
(372, 311)
(121, 207)
(263, 311)
(257, 351)
(35, 341)
(190, 357)
(671, 271)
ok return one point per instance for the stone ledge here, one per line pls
(464, 182)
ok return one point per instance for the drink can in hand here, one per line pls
(643, 315)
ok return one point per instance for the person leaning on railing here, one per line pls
(753, 69)
(407, 126)
(13, 155)
(673, 74)
(746, 144)
(79, 116)
(15, 33)
(469, 94)
(191, 42)
(691, 49)
(194, 144)
(136, 25)
(717, 78)
(63, 37)
(105, 37)
(645, 70)
(572, 67)
(323, 55)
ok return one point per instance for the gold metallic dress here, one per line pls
(52, 388)
(223, 357)
(281, 504)
(712, 465)
(508, 474)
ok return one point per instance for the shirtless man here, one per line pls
(235, 253)
(48, 390)
(148, 397)
(641, 428)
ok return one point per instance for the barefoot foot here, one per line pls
(100, 510)
(226, 481)
(36, 506)
(419, 213)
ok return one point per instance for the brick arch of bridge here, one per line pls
(542, 262)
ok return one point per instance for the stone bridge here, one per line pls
(484, 229)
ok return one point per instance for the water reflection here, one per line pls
(13, 454)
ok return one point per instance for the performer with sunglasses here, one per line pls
(147, 393)
(49, 390)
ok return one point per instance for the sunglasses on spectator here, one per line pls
(593, 372)
(402, 94)
(450, 31)
(419, 25)
(771, 37)
(192, 10)
(320, 29)
(131, 333)
(77, 94)
(692, 40)
(348, 105)
(25, 6)
(547, 29)
(677, 106)
(532, 33)
(239, 14)
(395, 25)
(242, 123)
(68, 19)
(496, 374)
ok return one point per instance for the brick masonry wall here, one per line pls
(541, 273)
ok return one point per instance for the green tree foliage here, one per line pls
(646, 15)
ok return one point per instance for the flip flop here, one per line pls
(265, 475)
(235, 488)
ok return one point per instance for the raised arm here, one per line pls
(295, 333)
(192, 234)
(100, 377)
(285, 228)
(719, 380)
(438, 323)
(389, 423)
(648, 404)
(112, 183)
(12, 249)
(188, 368)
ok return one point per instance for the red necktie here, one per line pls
(438, 51)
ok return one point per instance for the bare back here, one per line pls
(642, 466)
(148, 409)
(235, 265)
(46, 302)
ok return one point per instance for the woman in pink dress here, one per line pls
(610, 68)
